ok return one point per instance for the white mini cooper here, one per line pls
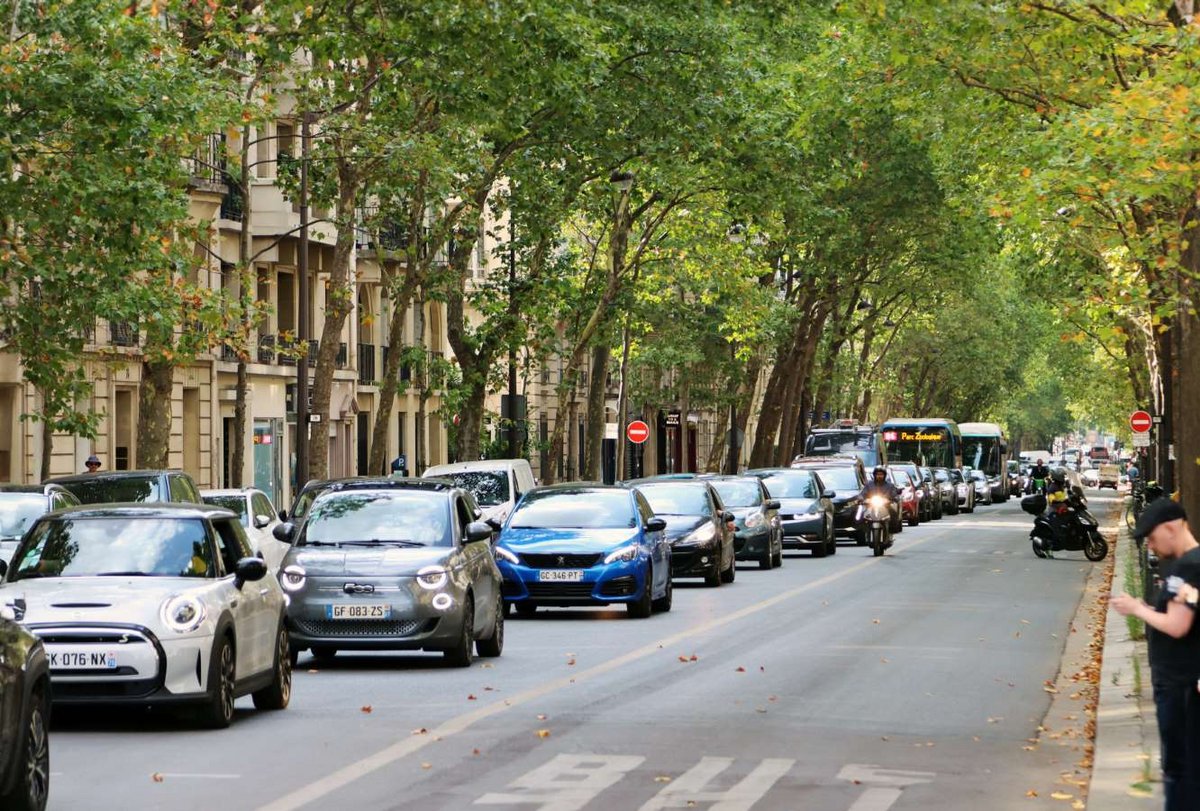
(151, 604)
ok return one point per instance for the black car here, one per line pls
(947, 492)
(24, 718)
(844, 478)
(934, 491)
(756, 516)
(805, 509)
(131, 486)
(924, 489)
(699, 528)
(22, 504)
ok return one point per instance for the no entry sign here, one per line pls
(638, 432)
(1140, 422)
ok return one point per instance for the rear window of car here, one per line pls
(791, 485)
(235, 504)
(490, 487)
(840, 478)
(677, 499)
(575, 509)
(735, 493)
(110, 491)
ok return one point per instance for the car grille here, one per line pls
(619, 587)
(361, 628)
(540, 591)
(563, 561)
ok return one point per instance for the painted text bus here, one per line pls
(986, 448)
(931, 442)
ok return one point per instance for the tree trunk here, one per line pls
(47, 441)
(593, 459)
(421, 381)
(154, 415)
(246, 297)
(770, 412)
(572, 471)
(389, 382)
(339, 302)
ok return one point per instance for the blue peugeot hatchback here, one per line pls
(585, 545)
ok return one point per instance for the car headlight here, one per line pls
(703, 534)
(877, 502)
(292, 578)
(183, 614)
(756, 519)
(625, 553)
(432, 577)
(504, 554)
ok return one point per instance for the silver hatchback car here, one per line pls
(393, 564)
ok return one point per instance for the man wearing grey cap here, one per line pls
(1174, 642)
(92, 464)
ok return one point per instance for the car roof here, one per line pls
(478, 464)
(578, 487)
(689, 479)
(431, 485)
(230, 491)
(35, 489)
(825, 461)
(112, 474)
(157, 509)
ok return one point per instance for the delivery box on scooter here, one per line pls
(1034, 504)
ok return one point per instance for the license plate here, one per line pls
(82, 660)
(561, 575)
(358, 611)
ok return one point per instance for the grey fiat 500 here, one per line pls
(393, 564)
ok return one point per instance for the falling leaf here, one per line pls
(760, 709)
(1017, 635)
(543, 733)
(157, 777)
(366, 708)
(884, 659)
(772, 698)
(740, 670)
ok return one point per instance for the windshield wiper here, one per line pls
(124, 574)
(381, 541)
(321, 543)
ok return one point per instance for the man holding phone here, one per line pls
(1174, 644)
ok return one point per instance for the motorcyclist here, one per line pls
(1057, 494)
(881, 485)
(1039, 472)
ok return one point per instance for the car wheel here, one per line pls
(644, 605)
(217, 710)
(494, 645)
(767, 559)
(31, 787)
(713, 578)
(663, 604)
(730, 574)
(323, 652)
(278, 693)
(461, 654)
(526, 609)
(831, 538)
(778, 559)
(914, 520)
(860, 536)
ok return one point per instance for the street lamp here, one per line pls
(623, 183)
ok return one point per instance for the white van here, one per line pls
(497, 484)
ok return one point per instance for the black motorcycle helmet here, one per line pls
(1058, 476)
(879, 470)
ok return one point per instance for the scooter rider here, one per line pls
(881, 485)
(1038, 472)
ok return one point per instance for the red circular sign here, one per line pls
(1140, 422)
(638, 432)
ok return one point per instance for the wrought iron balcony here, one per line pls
(366, 364)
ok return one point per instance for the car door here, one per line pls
(656, 544)
(272, 550)
(474, 557)
(255, 613)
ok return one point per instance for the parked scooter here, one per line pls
(876, 516)
(1070, 527)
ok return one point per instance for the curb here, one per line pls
(1125, 771)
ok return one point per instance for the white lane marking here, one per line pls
(390, 754)
(566, 782)
(883, 785)
(692, 787)
(197, 776)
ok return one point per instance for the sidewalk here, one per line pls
(1125, 771)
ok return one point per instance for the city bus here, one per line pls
(985, 448)
(931, 442)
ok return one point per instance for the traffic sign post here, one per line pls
(1140, 422)
(1141, 439)
(637, 432)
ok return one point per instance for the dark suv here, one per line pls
(131, 486)
(24, 718)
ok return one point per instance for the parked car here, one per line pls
(24, 717)
(131, 486)
(585, 545)
(1016, 484)
(699, 528)
(254, 509)
(983, 486)
(843, 480)
(947, 490)
(924, 494)
(806, 510)
(910, 498)
(933, 493)
(1090, 477)
(756, 516)
(496, 484)
(393, 564)
(964, 489)
(22, 504)
(150, 604)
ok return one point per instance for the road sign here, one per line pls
(1141, 439)
(637, 431)
(1140, 422)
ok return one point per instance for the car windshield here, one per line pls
(676, 499)
(18, 511)
(840, 479)
(379, 517)
(117, 546)
(739, 492)
(942, 475)
(575, 509)
(490, 487)
(235, 504)
(791, 485)
(956, 476)
(901, 478)
(120, 489)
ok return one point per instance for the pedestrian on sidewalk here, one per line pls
(92, 464)
(1174, 646)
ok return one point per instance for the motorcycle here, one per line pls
(1075, 531)
(876, 516)
(1036, 487)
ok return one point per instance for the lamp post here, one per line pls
(302, 327)
(513, 434)
(623, 183)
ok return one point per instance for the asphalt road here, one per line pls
(850, 683)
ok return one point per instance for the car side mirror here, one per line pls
(283, 532)
(772, 504)
(830, 494)
(3, 567)
(656, 524)
(479, 531)
(728, 516)
(494, 524)
(248, 570)
(262, 521)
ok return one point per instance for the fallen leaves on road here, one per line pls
(471, 697)
(662, 778)
(1031, 793)
(542, 716)
(426, 765)
(740, 670)
(875, 621)
(475, 752)
(420, 731)
(1061, 795)
(543, 733)
(367, 708)
(157, 777)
